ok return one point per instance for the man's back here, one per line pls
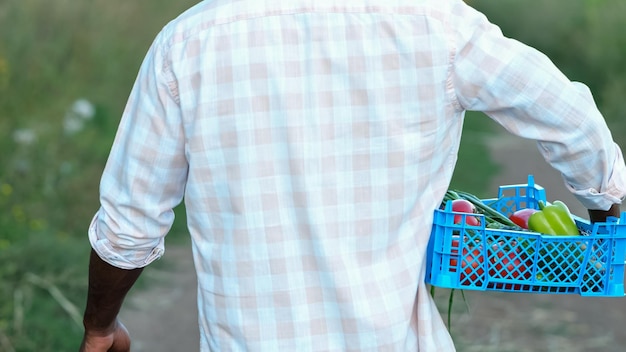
(316, 134)
(311, 141)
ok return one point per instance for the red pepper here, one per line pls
(520, 217)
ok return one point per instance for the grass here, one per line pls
(51, 56)
(475, 168)
(60, 53)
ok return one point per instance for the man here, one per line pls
(311, 142)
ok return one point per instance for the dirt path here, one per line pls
(164, 318)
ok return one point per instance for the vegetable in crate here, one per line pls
(554, 219)
(520, 217)
(509, 261)
(464, 206)
(493, 218)
(472, 260)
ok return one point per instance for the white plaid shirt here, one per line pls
(311, 141)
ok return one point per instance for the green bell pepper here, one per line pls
(553, 219)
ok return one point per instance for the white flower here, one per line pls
(72, 124)
(80, 111)
(24, 136)
(83, 108)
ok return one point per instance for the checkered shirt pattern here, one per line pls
(311, 142)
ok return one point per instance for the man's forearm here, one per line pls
(108, 285)
(601, 215)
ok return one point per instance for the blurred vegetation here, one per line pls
(66, 68)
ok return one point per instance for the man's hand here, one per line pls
(116, 340)
(601, 215)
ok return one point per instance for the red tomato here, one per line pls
(464, 206)
(472, 266)
(508, 263)
(454, 253)
(471, 263)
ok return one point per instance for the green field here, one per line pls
(66, 68)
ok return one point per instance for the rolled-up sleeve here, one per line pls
(522, 90)
(145, 174)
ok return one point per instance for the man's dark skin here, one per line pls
(108, 285)
(601, 215)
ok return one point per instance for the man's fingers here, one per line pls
(121, 341)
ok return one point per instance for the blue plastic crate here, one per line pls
(461, 256)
